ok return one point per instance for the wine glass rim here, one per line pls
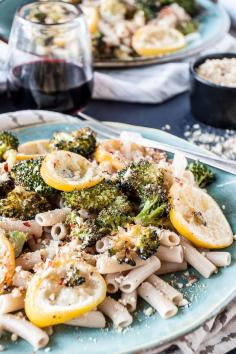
(68, 21)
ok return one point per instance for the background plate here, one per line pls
(207, 297)
(214, 24)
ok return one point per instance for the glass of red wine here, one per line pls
(50, 61)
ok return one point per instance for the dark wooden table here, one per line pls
(175, 112)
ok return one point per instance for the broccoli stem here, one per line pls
(150, 212)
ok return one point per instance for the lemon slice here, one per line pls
(62, 290)
(151, 40)
(67, 171)
(30, 150)
(197, 216)
(92, 17)
(115, 152)
(33, 149)
(7, 261)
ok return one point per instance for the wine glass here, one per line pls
(50, 60)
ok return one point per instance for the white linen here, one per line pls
(151, 84)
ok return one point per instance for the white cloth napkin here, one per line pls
(152, 84)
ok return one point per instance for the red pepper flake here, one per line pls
(27, 223)
(6, 169)
(69, 155)
(178, 181)
(61, 282)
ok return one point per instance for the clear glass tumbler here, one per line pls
(50, 61)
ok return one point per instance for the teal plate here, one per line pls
(207, 296)
(213, 25)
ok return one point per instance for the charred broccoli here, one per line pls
(6, 184)
(154, 205)
(23, 205)
(146, 181)
(202, 174)
(188, 27)
(149, 7)
(17, 238)
(86, 230)
(27, 174)
(190, 6)
(82, 141)
(93, 199)
(8, 141)
(138, 174)
(115, 215)
(137, 239)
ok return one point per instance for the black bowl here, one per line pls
(210, 103)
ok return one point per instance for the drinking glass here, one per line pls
(50, 61)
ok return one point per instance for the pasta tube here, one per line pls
(136, 276)
(118, 313)
(156, 299)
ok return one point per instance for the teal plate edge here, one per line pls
(208, 297)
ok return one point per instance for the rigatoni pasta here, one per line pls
(129, 300)
(173, 254)
(136, 276)
(197, 260)
(52, 217)
(219, 259)
(118, 313)
(174, 295)
(156, 299)
(92, 319)
(171, 267)
(11, 302)
(24, 329)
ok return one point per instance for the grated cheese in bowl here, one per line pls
(219, 71)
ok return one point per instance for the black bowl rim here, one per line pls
(195, 63)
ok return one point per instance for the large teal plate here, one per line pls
(208, 297)
(213, 25)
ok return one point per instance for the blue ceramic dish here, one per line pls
(207, 296)
(217, 102)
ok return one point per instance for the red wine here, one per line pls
(49, 84)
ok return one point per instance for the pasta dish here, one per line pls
(82, 219)
(123, 30)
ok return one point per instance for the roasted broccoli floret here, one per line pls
(138, 174)
(27, 174)
(188, 27)
(149, 7)
(86, 230)
(202, 174)
(145, 180)
(93, 199)
(82, 141)
(17, 238)
(6, 184)
(23, 205)
(190, 6)
(117, 214)
(137, 239)
(8, 141)
(154, 205)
